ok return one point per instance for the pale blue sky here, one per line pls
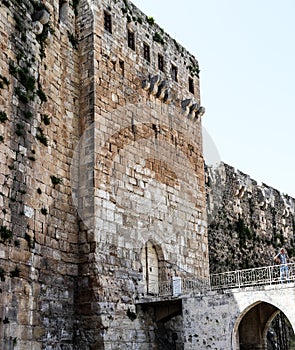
(246, 52)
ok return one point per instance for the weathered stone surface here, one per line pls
(248, 222)
(30, 208)
(216, 323)
(80, 255)
(102, 184)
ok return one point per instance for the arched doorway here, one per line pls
(256, 329)
(150, 259)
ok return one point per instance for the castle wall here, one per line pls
(100, 152)
(38, 223)
(102, 184)
(247, 222)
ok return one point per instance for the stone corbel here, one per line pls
(186, 105)
(167, 97)
(146, 84)
(161, 90)
(155, 81)
(158, 88)
(42, 16)
(193, 110)
(263, 200)
(200, 112)
(286, 212)
(37, 27)
(240, 191)
(286, 208)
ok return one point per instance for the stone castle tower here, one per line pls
(102, 174)
(104, 198)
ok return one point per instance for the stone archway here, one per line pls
(253, 326)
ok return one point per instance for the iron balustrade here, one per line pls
(260, 276)
(253, 277)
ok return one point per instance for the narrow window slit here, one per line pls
(131, 40)
(191, 85)
(161, 62)
(121, 65)
(174, 72)
(107, 22)
(146, 52)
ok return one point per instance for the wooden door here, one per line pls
(150, 265)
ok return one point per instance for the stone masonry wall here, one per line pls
(100, 152)
(215, 324)
(247, 222)
(143, 138)
(39, 90)
(101, 165)
(127, 116)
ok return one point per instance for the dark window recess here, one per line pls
(146, 52)
(191, 85)
(161, 62)
(107, 22)
(121, 65)
(174, 72)
(131, 40)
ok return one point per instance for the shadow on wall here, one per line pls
(264, 324)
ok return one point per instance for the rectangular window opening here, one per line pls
(121, 65)
(108, 21)
(174, 72)
(146, 52)
(191, 85)
(161, 62)
(131, 40)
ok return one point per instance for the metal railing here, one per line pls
(267, 275)
(253, 277)
(184, 286)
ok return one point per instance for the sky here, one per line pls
(246, 53)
